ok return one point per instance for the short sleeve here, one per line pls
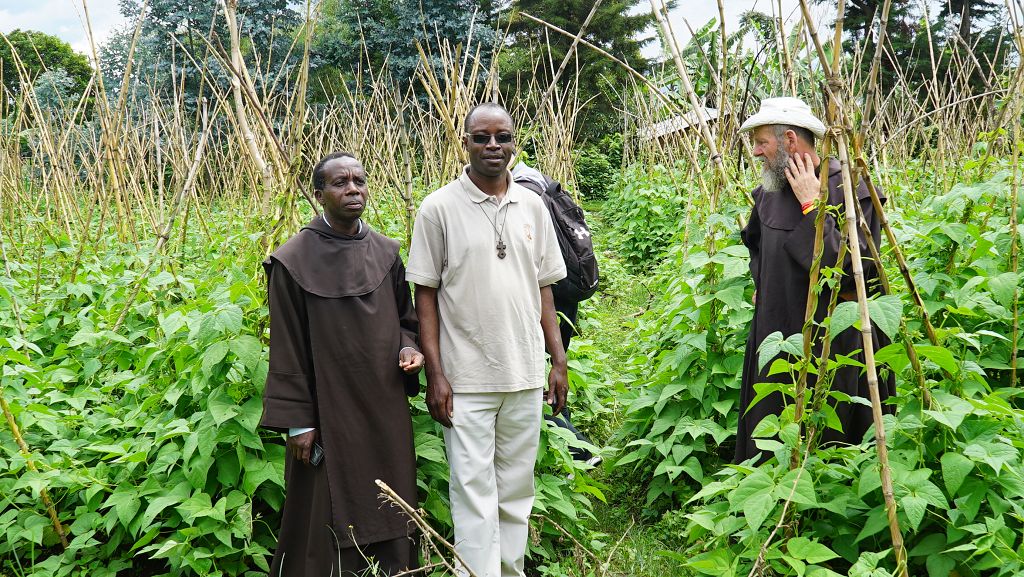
(427, 253)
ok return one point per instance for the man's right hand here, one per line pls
(302, 445)
(439, 399)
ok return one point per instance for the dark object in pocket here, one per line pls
(316, 456)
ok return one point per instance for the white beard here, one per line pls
(773, 175)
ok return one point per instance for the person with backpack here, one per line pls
(483, 258)
(582, 278)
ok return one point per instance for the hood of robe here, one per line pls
(332, 265)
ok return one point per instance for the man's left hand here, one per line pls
(558, 388)
(410, 360)
(301, 446)
(802, 179)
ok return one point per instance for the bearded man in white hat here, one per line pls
(780, 238)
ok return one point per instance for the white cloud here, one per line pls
(63, 19)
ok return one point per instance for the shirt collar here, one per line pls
(329, 225)
(478, 196)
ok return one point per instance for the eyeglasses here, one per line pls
(500, 138)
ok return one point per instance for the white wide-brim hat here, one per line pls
(785, 110)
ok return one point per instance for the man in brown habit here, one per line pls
(780, 238)
(342, 354)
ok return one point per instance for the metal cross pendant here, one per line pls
(501, 248)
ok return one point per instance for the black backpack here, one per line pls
(573, 239)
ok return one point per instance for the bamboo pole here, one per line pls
(787, 63)
(658, 6)
(723, 70)
(869, 362)
(883, 279)
(410, 204)
(873, 76)
(241, 117)
(901, 261)
(51, 510)
(818, 251)
(865, 318)
(800, 393)
(568, 55)
(165, 233)
(1016, 143)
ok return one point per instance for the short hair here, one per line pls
(318, 170)
(801, 132)
(483, 106)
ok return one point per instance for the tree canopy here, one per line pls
(364, 35)
(40, 52)
(618, 27)
(959, 31)
(179, 34)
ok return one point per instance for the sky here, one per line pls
(698, 12)
(64, 18)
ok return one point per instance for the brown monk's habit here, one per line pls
(781, 243)
(340, 312)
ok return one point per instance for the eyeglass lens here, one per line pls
(500, 138)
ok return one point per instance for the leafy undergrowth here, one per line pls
(146, 437)
(956, 464)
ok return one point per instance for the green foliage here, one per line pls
(40, 52)
(171, 27)
(645, 210)
(147, 438)
(617, 28)
(364, 36)
(679, 420)
(956, 463)
(596, 166)
(53, 88)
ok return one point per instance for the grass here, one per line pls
(607, 325)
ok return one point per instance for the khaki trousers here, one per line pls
(492, 449)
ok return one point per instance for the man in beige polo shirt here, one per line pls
(483, 259)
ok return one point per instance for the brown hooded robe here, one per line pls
(780, 239)
(340, 312)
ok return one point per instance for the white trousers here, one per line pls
(492, 449)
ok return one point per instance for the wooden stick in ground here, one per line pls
(876, 202)
(1014, 187)
(164, 235)
(800, 393)
(241, 117)
(31, 464)
(865, 318)
(568, 56)
(883, 279)
(869, 360)
(410, 204)
(425, 527)
(834, 119)
(698, 109)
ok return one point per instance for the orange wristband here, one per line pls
(807, 206)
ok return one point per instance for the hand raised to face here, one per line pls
(802, 179)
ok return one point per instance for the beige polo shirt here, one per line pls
(490, 334)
